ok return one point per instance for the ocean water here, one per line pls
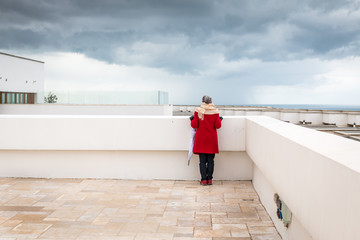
(311, 106)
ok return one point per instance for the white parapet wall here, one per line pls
(291, 116)
(274, 114)
(353, 118)
(313, 117)
(87, 109)
(338, 118)
(125, 147)
(316, 174)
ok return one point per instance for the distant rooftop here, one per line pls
(29, 59)
(342, 122)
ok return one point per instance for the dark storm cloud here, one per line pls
(179, 35)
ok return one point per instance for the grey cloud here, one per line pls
(331, 5)
(324, 41)
(112, 31)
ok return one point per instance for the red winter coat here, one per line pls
(206, 140)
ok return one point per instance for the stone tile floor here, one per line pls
(131, 210)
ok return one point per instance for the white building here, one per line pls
(21, 80)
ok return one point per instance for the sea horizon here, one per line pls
(298, 106)
(308, 106)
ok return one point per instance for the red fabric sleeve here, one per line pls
(218, 122)
(195, 121)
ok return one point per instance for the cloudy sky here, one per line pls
(237, 51)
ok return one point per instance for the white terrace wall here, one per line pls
(87, 109)
(121, 147)
(316, 174)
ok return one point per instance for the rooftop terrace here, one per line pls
(316, 175)
(131, 210)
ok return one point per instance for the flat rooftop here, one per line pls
(132, 210)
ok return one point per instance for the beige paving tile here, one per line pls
(3, 219)
(61, 233)
(7, 214)
(192, 238)
(232, 227)
(30, 228)
(232, 238)
(177, 230)
(210, 197)
(11, 223)
(206, 232)
(127, 236)
(233, 200)
(168, 221)
(64, 215)
(240, 234)
(25, 200)
(30, 216)
(20, 208)
(96, 233)
(4, 229)
(246, 215)
(262, 230)
(7, 238)
(106, 237)
(141, 227)
(101, 221)
(89, 215)
(237, 195)
(212, 214)
(154, 236)
(226, 220)
(225, 207)
(183, 235)
(20, 236)
(131, 210)
(265, 237)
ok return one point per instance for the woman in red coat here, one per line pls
(206, 120)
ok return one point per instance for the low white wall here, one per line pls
(120, 165)
(273, 114)
(86, 109)
(340, 119)
(290, 116)
(124, 147)
(253, 113)
(353, 118)
(315, 117)
(151, 133)
(316, 174)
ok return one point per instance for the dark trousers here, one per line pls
(206, 166)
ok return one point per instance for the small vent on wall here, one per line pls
(283, 212)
